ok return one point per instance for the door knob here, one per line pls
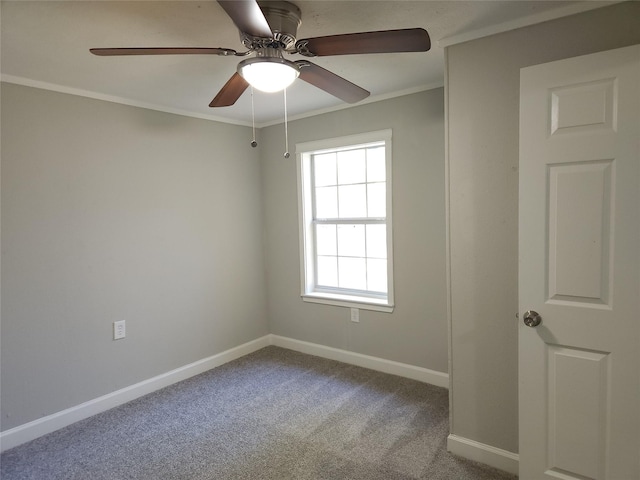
(532, 318)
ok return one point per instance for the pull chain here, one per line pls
(286, 128)
(254, 144)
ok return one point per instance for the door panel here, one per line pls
(579, 229)
(578, 420)
(579, 268)
(583, 107)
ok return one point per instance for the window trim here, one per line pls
(309, 293)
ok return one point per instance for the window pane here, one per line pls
(353, 273)
(351, 241)
(377, 241)
(326, 240)
(351, 167)
(353, 201)
(377, 275)
(326, 202)
(376, 200)
(376, 171)
(328, 271)
(325, 169)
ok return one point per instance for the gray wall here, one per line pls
(111, 212)
(483, 108)
(416, 332)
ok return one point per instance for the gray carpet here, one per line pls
(275, 414)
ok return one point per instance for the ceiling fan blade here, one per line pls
(107, 52)
(387, 41)
(231, 91)
(330, 82)
(248, 17)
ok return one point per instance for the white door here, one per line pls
(579, 268)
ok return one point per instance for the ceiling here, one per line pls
(46, 44)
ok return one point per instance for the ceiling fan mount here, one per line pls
(284, 19)
(270, 28)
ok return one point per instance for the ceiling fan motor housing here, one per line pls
(283, 18)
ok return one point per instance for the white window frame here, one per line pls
(309, 291)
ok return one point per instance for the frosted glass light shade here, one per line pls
(268, 74)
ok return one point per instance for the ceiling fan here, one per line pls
(268, 29)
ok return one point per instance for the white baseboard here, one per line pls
(480, 452)
(421, 374)
(32, 430)
(29, 431)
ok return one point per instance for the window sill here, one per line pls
(350, 301)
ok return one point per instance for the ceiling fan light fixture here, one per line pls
(268, 74)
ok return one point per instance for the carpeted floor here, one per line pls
(275, 414)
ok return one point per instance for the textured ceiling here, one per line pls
(47, 44)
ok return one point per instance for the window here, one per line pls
(345, 221)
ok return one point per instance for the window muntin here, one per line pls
(345, 227)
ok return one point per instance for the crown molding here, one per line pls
(525, 21)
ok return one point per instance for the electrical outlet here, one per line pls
(119, 330)
(355, 315)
